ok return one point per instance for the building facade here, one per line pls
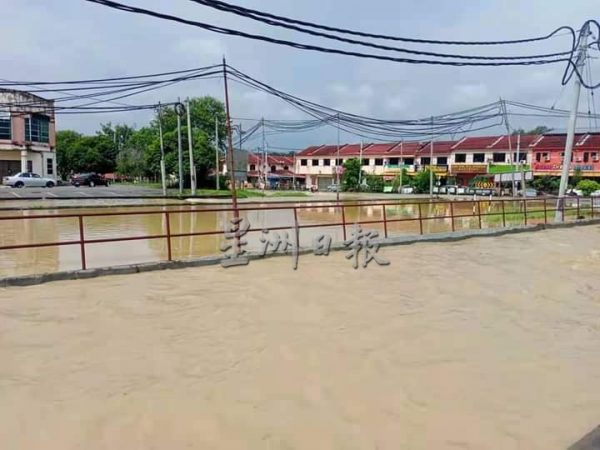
(27, 134)
(459, 161)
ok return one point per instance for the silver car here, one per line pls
(28, 179)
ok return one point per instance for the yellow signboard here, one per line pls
(468, 168)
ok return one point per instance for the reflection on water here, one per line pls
(403, 219)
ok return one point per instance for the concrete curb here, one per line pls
(29, 280)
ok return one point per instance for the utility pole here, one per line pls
(265, 161)
(337, 166)
(401, 163)
(231, 163)
(217, 172)
(360, 165)
(522, 166)
(512, 160)
(179, 112)
(190, 148)
(564, 179)
(163, 170)
(431, 162)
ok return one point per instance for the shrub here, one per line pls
(588, 186)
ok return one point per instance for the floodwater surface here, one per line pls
(402, 219)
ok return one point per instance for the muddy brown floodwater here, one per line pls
(52, 259)
(488, 343)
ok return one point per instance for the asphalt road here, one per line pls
(7, 193)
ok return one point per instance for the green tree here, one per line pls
(421, 182)
(588, 186)
(351, 175)
(405, 179)
(577, 177)
(548, 185)
(375, 183)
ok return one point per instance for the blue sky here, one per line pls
(74, 39)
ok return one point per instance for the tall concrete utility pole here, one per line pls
(512, 160)
(163, 169)
(179, 112)
(217, 172)
(337, 163)
(190, 148)
(265, 162)
(431, 162)
(360, 165)
(230, 162)
(564, 178)
(401, 163)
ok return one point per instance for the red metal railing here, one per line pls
(385, 220)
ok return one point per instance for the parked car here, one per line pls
(574, 192)
(595, 194)
(529, 192)
(28, 179)
(89, 179)
(332, 188)
(452, 189)
(406, 190)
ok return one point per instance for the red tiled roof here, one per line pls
(253, 158)
(309, 151)
(404, 149)
(378, 149)
(439, 148)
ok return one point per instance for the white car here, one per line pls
(28, 179)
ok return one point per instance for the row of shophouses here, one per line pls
(456, 162)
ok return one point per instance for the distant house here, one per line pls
(27, 134)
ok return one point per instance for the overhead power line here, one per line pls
(289, 24)
(303, 46)
(226, 6)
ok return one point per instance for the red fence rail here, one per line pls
(585, 203)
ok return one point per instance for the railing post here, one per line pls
(562, 206)
(503, 214)
(578, 213)
(545, 211)
(82, 243)
(420, 219)
(452, 214)
(525, 210)
(479, 212)
(592, 201)
(343, 220)
(385, 230)
(168, 223)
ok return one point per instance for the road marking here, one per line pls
(16, 195)
(50, 193)
(84, 194)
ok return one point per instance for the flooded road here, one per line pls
(402, 220)
(484, 344)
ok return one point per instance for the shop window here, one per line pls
(460, 158)
(252, 166)
(366, 162)
(394, 161)
(37, 128)
(499, 157)
(425, 160)
(478, 157)
(304, 162)
(49, 166)
(442, 160)
(5, 126)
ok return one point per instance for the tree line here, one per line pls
(136, 152)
